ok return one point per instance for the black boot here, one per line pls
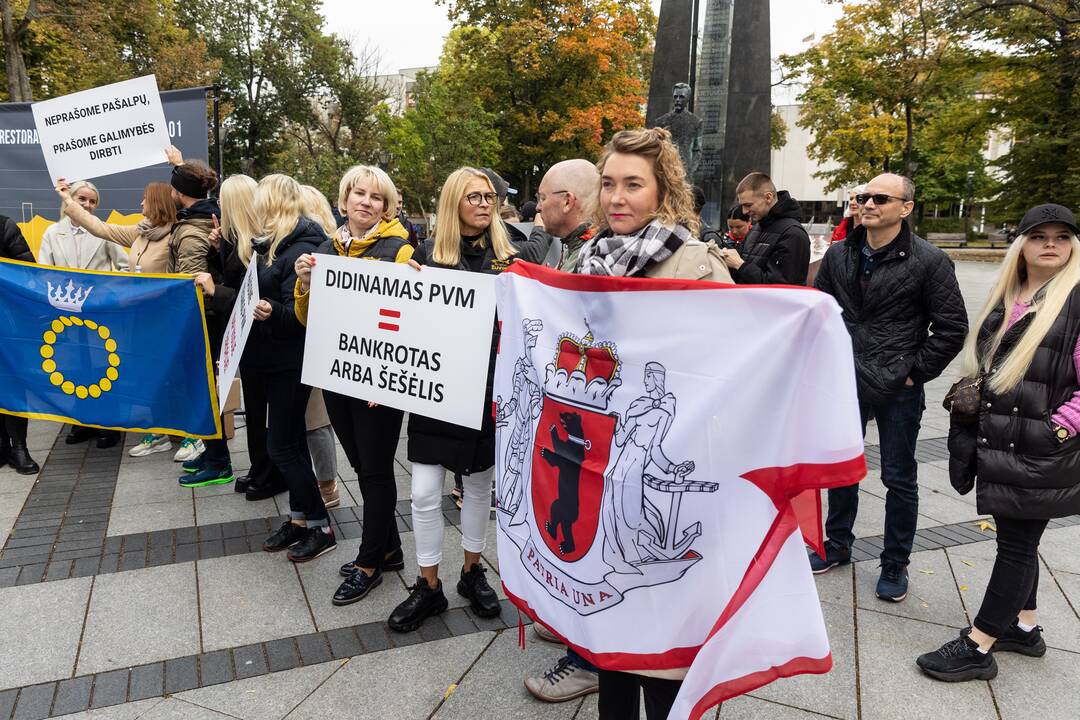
(19, 458)
(422, 603)
(107, 439)
(474, 587)
(5, 449)
(79, 434)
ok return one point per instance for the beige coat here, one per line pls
(62, 246)
(695, 260)
(150, 256)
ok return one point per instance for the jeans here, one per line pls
(1014, 582)
(369, 437)
(898, 429)
(262, 473)
(428, 523)
(620, 695)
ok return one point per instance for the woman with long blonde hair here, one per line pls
(317, 208)
(1020, 449)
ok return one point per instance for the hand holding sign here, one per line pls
(303, 266)
(263, 310)
(62, 189)
(174, 156)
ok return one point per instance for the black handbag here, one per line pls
(964, 397)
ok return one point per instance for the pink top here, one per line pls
(1068, 415)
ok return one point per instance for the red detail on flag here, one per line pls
(389, 326)
(383, 312)
(807, 506)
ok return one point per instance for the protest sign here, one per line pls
(239, 327)
(102, 131)
(416, 341)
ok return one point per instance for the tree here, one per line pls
(559, 76)
(16, 33)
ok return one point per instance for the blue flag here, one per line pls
(111, 350)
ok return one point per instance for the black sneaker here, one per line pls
(286, 536)
(834, 556)
(893, 583)
(356, 587)
(393, 561)
(1015, 640)
(263, 492)
(957, 661)
(474, 587)
(422, 603)
(315, 543)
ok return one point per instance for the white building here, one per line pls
(794, 170)
(399, 87)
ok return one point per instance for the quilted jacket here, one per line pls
(910, 322)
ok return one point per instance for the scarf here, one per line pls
(152, 232)
(348, 246)
(630, 255)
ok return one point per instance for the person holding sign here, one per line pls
(470, 238)
(368, 432)
(13, 450)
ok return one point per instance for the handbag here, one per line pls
(964, 397)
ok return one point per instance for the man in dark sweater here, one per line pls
(777, 250)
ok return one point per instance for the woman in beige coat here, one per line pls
(69, 243)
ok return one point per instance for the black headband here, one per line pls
(187, 185)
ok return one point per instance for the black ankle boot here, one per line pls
(5, 452)
(19, 458)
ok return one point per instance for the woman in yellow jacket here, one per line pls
(368, 432)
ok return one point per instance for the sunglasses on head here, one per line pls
(878, 198)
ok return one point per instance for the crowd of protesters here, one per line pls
(1015, 415)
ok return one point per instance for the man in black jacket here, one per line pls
(13, 450)
(777, 250)
(902, 305)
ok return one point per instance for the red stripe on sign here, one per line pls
(383, 312)
(389, 326)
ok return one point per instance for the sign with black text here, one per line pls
(239, 327)
(419, 341)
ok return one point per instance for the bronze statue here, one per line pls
(686, 128)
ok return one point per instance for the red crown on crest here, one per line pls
(584, 372)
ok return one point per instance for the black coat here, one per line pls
(227, 270)
(910, 323)
(1022, 470)
(12, 243)
(435, 442)
(277, 343)
(776, 251)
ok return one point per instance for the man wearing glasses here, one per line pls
(902, 305)
(565, 205)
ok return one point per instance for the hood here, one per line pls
(201, 209)
(305, 231)
(785, 207)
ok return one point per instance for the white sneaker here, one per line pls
(190, 448)
(563, 682)
(151, 444)
(546, 635)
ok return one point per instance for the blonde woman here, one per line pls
(273, 359)
(317, 208)
(68, 243)
(1021, 451)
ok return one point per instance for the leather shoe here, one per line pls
(423, 602)
(356, 587)
(263, 492)
(242, 483)
(19, 458)
(108, 439)
(474, 587)
(79, 434)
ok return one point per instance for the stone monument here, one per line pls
(685, 127)
(671, 56)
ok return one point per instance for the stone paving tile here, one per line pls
(225, 508)
(932, 594)
(150, 517)
(128, 711)
(269, 697)
(173, 709)
(1037, 687)
(750, 708)
(43, 621)
(1058, 549)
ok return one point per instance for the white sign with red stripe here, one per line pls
(415, 340)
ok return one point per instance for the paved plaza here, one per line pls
(123, 596)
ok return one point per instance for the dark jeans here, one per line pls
(216, 456)
(580, 661)
(262, 473)
(898, 429)
(286, 440)
(369, 436)
(13, 430)
(1014, 583)
(620, 695)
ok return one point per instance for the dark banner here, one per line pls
(25, 187)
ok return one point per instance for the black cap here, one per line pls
(1049, 213)
(501, 186)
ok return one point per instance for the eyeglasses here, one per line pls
(542, 198)
(475, 198)
(878, 198)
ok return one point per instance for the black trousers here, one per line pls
(620, 695)
(1014, 582)
(262, 473)
(369, 436)
(286, 439)
(216, 456)
(13, 430)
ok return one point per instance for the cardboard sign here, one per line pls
(418, 341)
(102, 131)
(239, 327)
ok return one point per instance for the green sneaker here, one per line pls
(207, 476)
(193, 465)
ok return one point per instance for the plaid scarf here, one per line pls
(630, 255)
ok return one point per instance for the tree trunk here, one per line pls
(909, 141)
(18, 82)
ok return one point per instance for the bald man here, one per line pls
(902, 305)
(565, 205)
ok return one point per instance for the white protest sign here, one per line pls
(238, 329)
(102, 131)
(416, 341)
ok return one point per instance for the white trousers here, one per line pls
(427, 492)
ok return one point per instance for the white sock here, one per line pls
(981, 650)
(1025, 627)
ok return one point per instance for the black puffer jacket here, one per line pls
(278, 343)
(1022, 470)
(910, 323)
(777, 249)
(12, 243)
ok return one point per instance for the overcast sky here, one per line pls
(409, 33)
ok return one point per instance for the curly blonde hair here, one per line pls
(676, 200)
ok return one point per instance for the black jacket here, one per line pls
(12, 243)
(1022, 470)
(776, 251)
(435, 442)
(910, 323)
(227, 270)
(277, 343)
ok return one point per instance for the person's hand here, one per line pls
(303, 266)
(62, 189)
(206, 282)
(732, 258)
(909, 383)
(174, 156)
(372, 405)
(263, 310)
(215, 235)
(414, 265)
(538, 221)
